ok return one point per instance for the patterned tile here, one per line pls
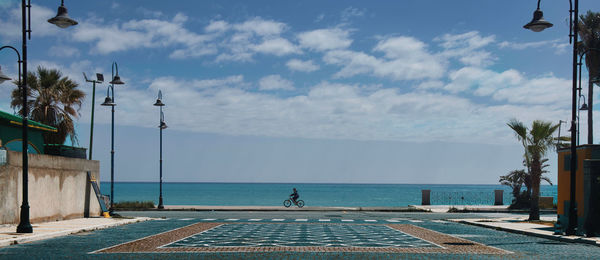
(303, 237)
(274, 235)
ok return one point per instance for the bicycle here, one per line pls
(287, 203)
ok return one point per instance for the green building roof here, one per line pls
(17, 120)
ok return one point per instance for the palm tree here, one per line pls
(536, 142)
(589, 30)
(53, 100)
(515, 180)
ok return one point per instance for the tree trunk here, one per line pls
(536, 173)
(590, 118)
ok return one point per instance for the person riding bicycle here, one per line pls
(295, 195)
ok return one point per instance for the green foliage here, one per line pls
(589, 30)
(134, 205)
(53, 100)
(515, 180)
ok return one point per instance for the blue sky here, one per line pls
(310, 91)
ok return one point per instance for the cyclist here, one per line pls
(295, 196)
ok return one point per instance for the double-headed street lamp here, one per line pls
(538, 24)
(110, 101)
(61, 20)
(162, 125)
(99, 79)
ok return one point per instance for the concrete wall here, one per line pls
(58, 188)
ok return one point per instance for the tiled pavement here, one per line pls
(47, 230)
(302, 237)
(450, 240)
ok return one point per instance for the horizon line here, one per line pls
(347, 183)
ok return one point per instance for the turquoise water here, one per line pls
(347, 195)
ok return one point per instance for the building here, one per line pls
(11, 132)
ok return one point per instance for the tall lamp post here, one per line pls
(99, 79)
(161, 126)
(538, 24)
(590, 95)
(61, 20)
(110, 101)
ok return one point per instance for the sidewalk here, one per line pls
(46, 230)
(282, 208)
(476, 208)
(471, 208)
(520, 226)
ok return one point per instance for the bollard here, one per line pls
(425, 197)
(499, 197)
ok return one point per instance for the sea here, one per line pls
(313, 194)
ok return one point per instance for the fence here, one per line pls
(492, 197)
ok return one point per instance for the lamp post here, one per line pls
(61, 20)
(162, 125)
(538, 24)
(590, 93)
(110, 101)
(99, 79)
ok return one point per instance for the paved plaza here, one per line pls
(299, 235)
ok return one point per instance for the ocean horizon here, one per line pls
(314, 194)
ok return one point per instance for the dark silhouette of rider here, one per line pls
(295, 195)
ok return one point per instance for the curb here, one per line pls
(561, 238)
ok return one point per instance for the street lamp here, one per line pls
(99, 79)
(539, 24)
(590, 94)
(62, 20)
(110, 101)
(162, 125)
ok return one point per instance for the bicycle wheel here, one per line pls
(287, 203)
(300, 203)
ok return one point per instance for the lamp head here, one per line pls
(108, 102)
(159, 103)
(3, 77)
(117, 80)
(584, 107)
(62, 18)
(162, 125)
(538, 23)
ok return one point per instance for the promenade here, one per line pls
(258, 233)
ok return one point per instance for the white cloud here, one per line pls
(299, 65)
(351, 12)
(217, 26)
(466, 47)
(276, 46)
(275, 82)
(432, 84)
(337, 111)
(63, 51)
(325, 39)
(253, 36)
(559, 45)
(261, 27)
(11, 25)
(149, 13)
(146, 33)
(405, 58)
(510, 86)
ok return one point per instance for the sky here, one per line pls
(309, 91)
